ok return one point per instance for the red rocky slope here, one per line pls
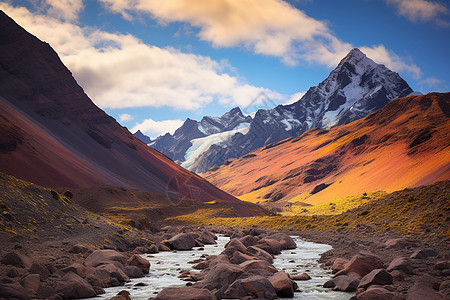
(52, 134)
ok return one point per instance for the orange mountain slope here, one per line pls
(53, 135)
(405, 144)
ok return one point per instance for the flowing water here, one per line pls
(165, 267)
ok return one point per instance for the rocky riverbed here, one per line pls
(366, 266)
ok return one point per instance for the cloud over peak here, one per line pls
(420, 10)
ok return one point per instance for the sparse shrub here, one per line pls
(55, 194)
(68, 194)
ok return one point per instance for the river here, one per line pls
(165, 267)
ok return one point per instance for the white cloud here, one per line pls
(125, 118)
(65, 9)
(381, 55)
(154, 129)
(267, 27)
(295, 97)
(120, 71)
(419, 10)
(431, 82)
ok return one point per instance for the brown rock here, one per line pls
(122, 295)
(99, 257)
(399, 243)
(109, 272)
(153, 249)
(361, 264)
(234, 245)
(339, 264)
(342, 283)
(163, 247)
(378, 293)
(140, 262)
(31, 282)
(13, 291)
(185, 293)
(249, 240)
(207, 237)
(239, 257)
(398, 275)
(444, 289)
(39, 269)
(80, 248)
(12, 272)
(255, 287)
(376, 277)
(133, 272)
(285, 240)
(182, 241)
(283, 285)
(73, 286)
(441, 265)
(270, 245)
(259, 253)
(257, 264)
(300, 277)
(402, 264)
(76, 268)
(16, 259)
(423, 254)
(423, 289)
(220, 277)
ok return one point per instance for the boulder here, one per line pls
(441, 265)
(378, 293)
(444, 289)
(140, 262)
(31, 282)
(109, 272)
(283, 285)
(182, 241)
(80, 248)
(133, 272)
(234, 245)
(257, 264)
(185, 293)
(73, 286)
(401, 264)
(16, 259)
(220, 277)
(423, 254)
(99, 257)
(300, 277)
(76, 268)
(207, 237)
(39, 269)
(255, 287)
(423, 289)
(285, 240)
(399, 243)
(338, 264)
(255, 231)
(398, 275)
(376, 277)
(270, 245)
(249, 240)
(342, 283)
(153, 249)
(13, 291)
(361, 264)
(239, 257)
(122, 295)
(259, 253)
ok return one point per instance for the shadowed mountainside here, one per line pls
(53, 135)
(405, 144)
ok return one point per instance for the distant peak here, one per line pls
(355, 55)
(234, 111)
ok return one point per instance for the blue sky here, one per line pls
(152, 64)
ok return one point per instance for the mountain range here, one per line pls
(405, 144)
(355, 88)
(53, 135)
